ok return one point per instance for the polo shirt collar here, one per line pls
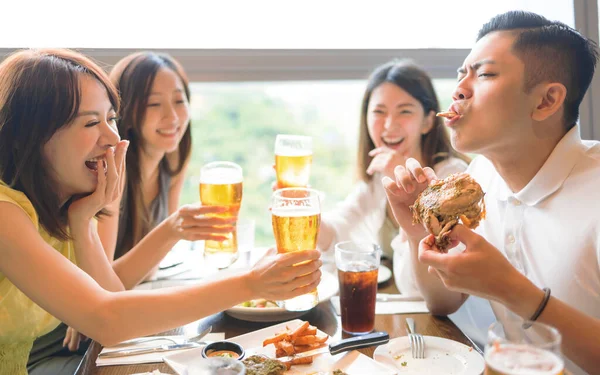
(550, 177)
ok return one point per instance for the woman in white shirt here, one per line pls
(397, 121)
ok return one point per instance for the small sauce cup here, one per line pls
(223, 349)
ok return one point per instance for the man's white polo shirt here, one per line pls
(550, 230)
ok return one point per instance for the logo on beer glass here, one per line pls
(296, 217)
(293, 157)
(358, 266)
(221, 185)
(514, 350)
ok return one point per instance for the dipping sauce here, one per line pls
(223, 353)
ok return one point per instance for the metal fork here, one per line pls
(417, 343)
(162, 338)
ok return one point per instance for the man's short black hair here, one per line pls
(551, 52)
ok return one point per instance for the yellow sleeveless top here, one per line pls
(21, 320)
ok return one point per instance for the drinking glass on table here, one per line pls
(358, 266)
(296, 217)
(219, 366)
(512, 349)
(293, 158)
(221, 185)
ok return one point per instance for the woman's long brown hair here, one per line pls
(435, 145)
(134, 76)
(40, 93)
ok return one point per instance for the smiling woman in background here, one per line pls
(397, 122)
(155, 118)
(61, 164)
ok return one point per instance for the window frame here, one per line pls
(239, 65)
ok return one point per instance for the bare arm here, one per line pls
(482, 270)
(135, 268)
(579, 331)
(139, 262)
(89, 251)
(108, 226)
(187, 222)
(108, 229)
(72, 296)
(91, 257)
(439, 300)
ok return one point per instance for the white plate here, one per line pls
(384, 274)
(328, 287)
(442, 357)
(353, 363)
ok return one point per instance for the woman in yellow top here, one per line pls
(155, 119)
(57, 130)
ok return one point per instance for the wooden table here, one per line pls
(323, 317)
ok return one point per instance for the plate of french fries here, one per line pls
(297, 336)
(284, 340)
(268, 311)
(294, 339)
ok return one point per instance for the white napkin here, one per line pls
(155, 372)
(390, 307)
(150, 357)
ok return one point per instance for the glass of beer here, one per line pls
(358, 265)
(221, 185)
(293, 157)
(296, 217)
(514, 350)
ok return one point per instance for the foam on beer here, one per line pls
(290, 151)
(294, 211)
(221, 176)
(522, 360)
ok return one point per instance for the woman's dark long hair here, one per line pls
(134, 76)
(39, 94)
(435, 145)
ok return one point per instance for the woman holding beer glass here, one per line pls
(61, 164)
(155, 119)
(397, 121)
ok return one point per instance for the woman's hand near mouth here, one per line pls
(109, 187)
(385, 160)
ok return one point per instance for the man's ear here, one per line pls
(550, 98)
(428, 122)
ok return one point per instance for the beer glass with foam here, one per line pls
(296, 217)
(512, 349)
(221, 185)
(293, 158)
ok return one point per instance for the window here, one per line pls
(266, 24)
(239, 121)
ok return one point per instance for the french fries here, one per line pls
(297, 340)
(277, 338)
(448, 115)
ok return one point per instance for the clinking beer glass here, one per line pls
(221, 185)
(512, 349)
(296, 217)
(358, 266)
(293, 158)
